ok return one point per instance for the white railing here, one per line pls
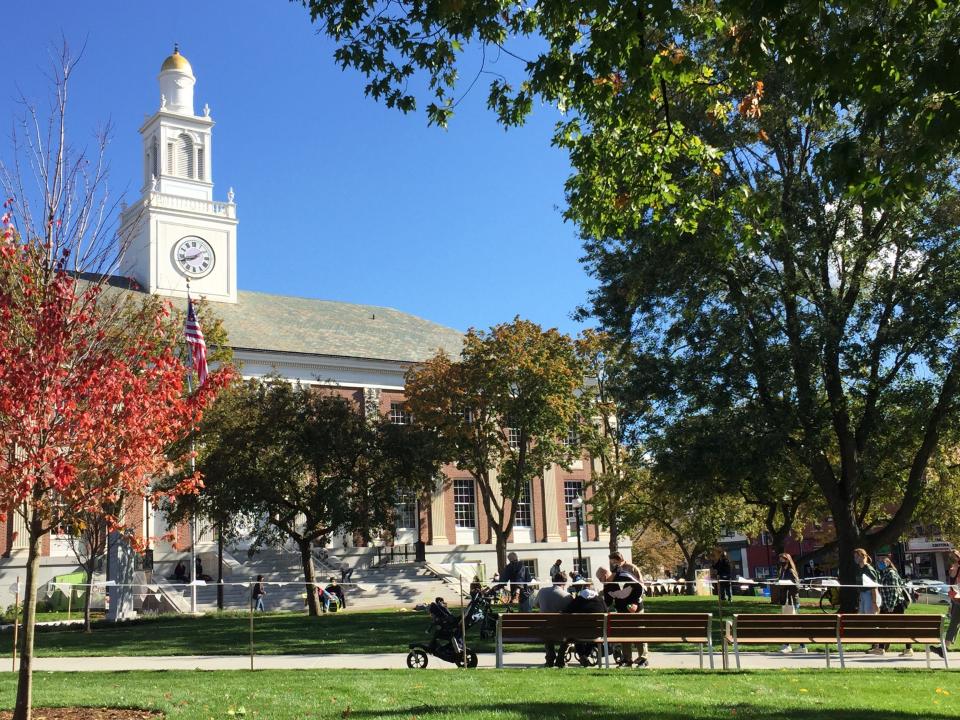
(207, 207)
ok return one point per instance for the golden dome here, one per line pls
(176, 62)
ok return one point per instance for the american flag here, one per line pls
(198, 348)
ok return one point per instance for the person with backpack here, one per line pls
(894, 599)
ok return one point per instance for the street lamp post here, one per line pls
(577, 503)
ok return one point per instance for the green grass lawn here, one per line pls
(508, 694)
(296, 633)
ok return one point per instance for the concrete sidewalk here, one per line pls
(390, 661)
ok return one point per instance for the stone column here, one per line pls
(121, 571)
(550, 504)
(438, 515)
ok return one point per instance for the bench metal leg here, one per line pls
(710, 651)
(606, 651)
(700, 654)
(736, 650)
(926, 649)
(843, 664)
(499, 643)
(826, 651)
(726, 658)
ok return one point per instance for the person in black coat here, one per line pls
(585, 601)
(722, 571)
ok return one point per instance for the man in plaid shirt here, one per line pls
(892, 598)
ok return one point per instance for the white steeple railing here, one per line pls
(206, 207)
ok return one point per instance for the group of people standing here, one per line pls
(882, 591)
(331, 597)
(885, 591)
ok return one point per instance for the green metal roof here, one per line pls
(279, 323)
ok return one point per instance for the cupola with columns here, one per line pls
(177, 231)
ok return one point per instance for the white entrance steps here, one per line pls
(389, 585)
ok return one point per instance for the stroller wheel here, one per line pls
(472, 660)
(417, 659)
(589, 658)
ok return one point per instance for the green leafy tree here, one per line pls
(295, 463)
(740, 454)
(607, 427)
(607, 65)
(502, 411)
(829, 309)
(694, 519)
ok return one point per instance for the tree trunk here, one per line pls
(220, 568)
(848, 539)
(88, 595)
(309, 578)
(501, 547)
(612, 525)
(23, 709)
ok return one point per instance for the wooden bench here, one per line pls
(543, 628)
(772, 629)
(923, 630)
(662, 628)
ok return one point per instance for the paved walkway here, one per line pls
(380, 661)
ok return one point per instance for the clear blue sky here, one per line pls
(338, 197)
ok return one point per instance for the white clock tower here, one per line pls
(176, 231)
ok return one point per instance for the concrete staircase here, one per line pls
(391, 585)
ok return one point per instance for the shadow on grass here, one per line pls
(560, 711)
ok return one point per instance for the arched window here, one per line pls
(185, 156)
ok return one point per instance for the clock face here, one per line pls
(194, 256)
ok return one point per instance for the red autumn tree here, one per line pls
(92, 388)
(87, 406)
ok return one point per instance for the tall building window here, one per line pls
(530, 565)
(406, 511)
(399, 416)
(464, 503)
(155, 158)
(513, 437)
(200, 163)
(572, 438)
(571, 490)
(524, 516)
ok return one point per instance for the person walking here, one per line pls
(869, 580)
(953, 580)
(258, 593)
(518, 574)
(869, 602)
(894, 599)
(788, 582)
(553, 598)
(722, 571)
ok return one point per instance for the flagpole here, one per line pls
(193, 470)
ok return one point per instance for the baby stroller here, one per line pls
(447, 642)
